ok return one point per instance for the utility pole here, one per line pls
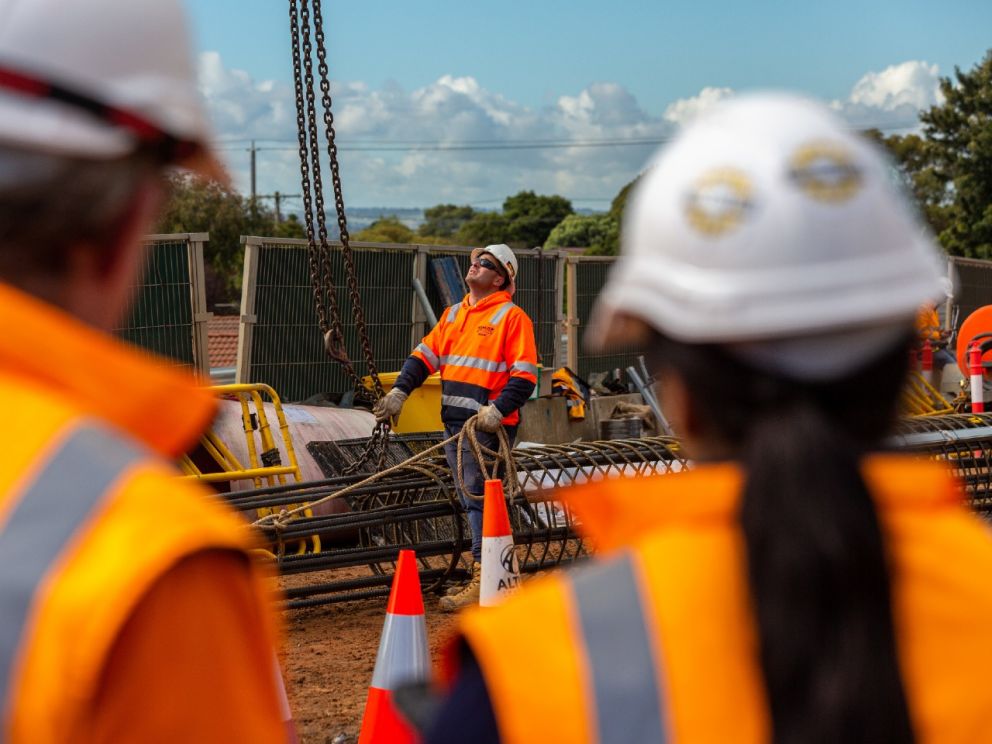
(253, 174)
(278, 196)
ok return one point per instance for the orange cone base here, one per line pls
(382, 724)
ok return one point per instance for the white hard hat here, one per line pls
(99, 78)
(504, 254)
(769, 226)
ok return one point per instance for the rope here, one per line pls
(281, 519)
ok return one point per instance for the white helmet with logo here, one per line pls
(768, 226)
(508, 260)
(97, 79)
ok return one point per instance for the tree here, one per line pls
(599, 234)
(531, 217)
(959, 142)
(196, 204)
(485, 228)
(444, 220)
(911, 154)
(385, 230)
(619, 202)
(949, 168)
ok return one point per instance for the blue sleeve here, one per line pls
(514, 395)
(467, 713)
(412, 375)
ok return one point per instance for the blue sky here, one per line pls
(455, 72)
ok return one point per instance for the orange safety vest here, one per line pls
(91, 512)
(655, 641)
(565, 382)
(927, 324)
(478, 349)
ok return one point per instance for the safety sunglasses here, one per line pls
(487, 264)
(165, 146)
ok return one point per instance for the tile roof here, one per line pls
(222, 340)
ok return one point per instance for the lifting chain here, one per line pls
(319, 255)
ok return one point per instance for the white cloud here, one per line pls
(892, 98)
(455, 111)
(686, 109)
(914, 83)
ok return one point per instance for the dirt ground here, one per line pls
(329, 657)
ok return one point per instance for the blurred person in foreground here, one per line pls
(797, 585)
(131, 608)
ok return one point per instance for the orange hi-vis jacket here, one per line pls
(485, 352)
(928, 324)
(131, 609)
(655, 640)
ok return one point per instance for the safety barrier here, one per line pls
(168, 315)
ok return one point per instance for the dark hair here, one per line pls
(49, 203)
(816, 556)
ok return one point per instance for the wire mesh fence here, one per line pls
(167, 315)
(590, 276)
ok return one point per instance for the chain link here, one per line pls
(319, 256)
(332, 152)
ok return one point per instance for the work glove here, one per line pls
(389, 405)
(488, 419)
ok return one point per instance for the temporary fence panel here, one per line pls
(280, 343)
(586, 277)
(974, 285)
(168, 315)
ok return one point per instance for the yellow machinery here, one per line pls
(264, 465)
(920, 398)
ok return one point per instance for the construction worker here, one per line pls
(131, 608)
(796, 585)
(485, 350)
(929, 329)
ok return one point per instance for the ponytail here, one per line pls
(816, 556)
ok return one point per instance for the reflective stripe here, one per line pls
(452, 313)
(59, 503)
(429, 355)
(460, 402)
(620, 654)
(504, 309)
(525, 367)
(402, 653)
(474, 362)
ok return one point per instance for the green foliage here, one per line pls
(485, 228)
(949, 168)
(444, 220)
(599, 234)
(198, 205)
(386, 230)
(959, 140)
(620, 200)
(532, 217)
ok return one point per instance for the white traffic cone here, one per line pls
(500, 569)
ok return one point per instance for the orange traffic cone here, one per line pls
(287, 714)
(500, 570)
(403, 657)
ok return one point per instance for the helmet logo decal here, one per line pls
(719, 201)
(825, 171)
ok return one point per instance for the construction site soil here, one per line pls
(329, 655)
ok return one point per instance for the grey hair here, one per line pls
(50, 203)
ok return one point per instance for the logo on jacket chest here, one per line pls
(485, 330)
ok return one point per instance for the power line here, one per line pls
(392, 145)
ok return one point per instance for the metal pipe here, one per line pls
(649, 399)
(418, 288)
